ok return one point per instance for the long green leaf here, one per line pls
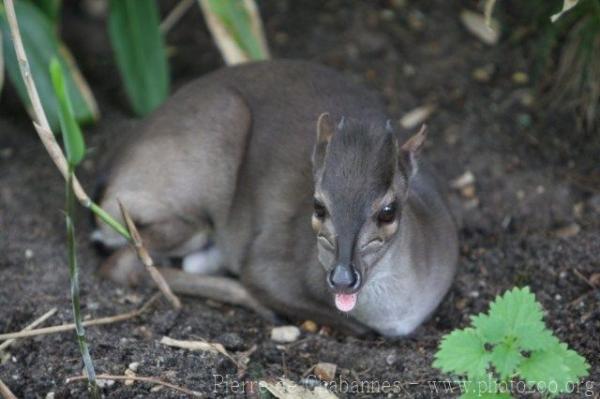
(134, 29)
(41, 45)
(51, 8)
(72, 137)
(237, 29)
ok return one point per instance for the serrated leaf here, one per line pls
(555, 369)
(536, 340)
(482, 387)
(41, 45)
(521, 315)
(462, 352)
(72, 136)
(475, 395)
(492, 330)
(134, 30)
(505, 357)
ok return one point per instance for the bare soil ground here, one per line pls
(532, 178)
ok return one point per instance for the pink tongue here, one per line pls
(345, 302)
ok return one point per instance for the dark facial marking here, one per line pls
(320, 210)
(358, 170)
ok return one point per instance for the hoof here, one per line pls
(124, 267)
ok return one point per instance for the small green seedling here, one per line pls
(75, 150)
(510, 349)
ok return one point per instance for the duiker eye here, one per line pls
(320, 210)
(387, 214)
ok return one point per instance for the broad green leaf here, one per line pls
(462, 352)
(237, 29)
(475, 395)
(41, 45)
(51, 8)
(556, 369)
(506, 357)
(521, 317)
(72, 137)
(139, 50)
(491, 329)
(485, 386)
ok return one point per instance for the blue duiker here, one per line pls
(288, 177)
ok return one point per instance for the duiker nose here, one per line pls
(344, 277)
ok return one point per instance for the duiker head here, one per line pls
(362, 176)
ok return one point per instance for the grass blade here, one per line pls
(134, 29)
(41, 45)
(74, 276)
(236, 28)
(72, 137)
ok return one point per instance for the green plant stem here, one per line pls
(74, 276)
(109, 220)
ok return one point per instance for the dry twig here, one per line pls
(5, 392)
(29, 327)
(71, 326)
(150, 380)
(144, 256)
(175, 15)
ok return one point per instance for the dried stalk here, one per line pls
(144, 256)
(29, 327)
(175, 15)
(5, 392)
(150, 380)
(87, 323)
(48, 139)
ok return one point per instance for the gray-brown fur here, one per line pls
(228, 159)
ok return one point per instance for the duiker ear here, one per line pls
(411, 149)
(325, 130)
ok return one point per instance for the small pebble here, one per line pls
(231, 341)
(466, 179)
(568, 231)
(391, 359)
(50, 395)
(562, 274)
(134, 366)
(310, 326)
(475, 23)
(483, 74)
(285, 334)
(520, 78)
(105, 383)
(468, 191)
(129, 373)
(28, 253)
